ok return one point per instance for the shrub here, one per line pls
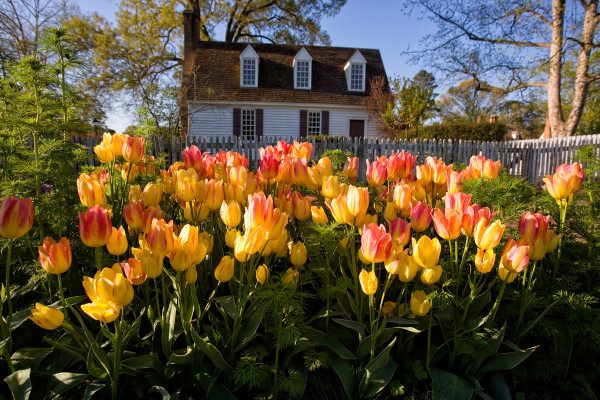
(484, 131)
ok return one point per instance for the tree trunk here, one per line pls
(557, 122)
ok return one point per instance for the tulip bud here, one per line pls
(225, 269)
(133, 149)
(318, 215)
(419, 303)
(376, 243)
(46, 317)
(191, 275)
(160, 237)
(300, 207)
(95, 226)
(262, 274)
(331, 187)
(104, 152)
(376, 173)
(16, 217)
(400, 231)
(133, 214)
(231, 214)
(448, 225)
(368, 282)
(117, 244)
(55, 258)
(389, 214)
(420, 217)
(90, 191)
(402, 199)
(297, 253)
(230, 236)
(429, 276)
(515, 255)
(291, 276)
(326, 167)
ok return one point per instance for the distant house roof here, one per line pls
(217, 74)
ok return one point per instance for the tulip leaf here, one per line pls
(506, 361)
(19, 383)
(182, 356)
(448, 386)
(168, 328)
(211, 352)
(132, 331)
(249, 327)
(228, 303)
(364, 348)
(93, 369)
(18, 318)
(29, 357)
(72, 350)
(98, 354)
(531, 324)
(401, 321)
(147, 361)
(378, 373)
(61, 382)
(220, 392)
(488, 350)
(345, 371)
(563, 344)
(164, 393)
(483, 395)
(356, 326)
(91, 389)
(498, 387)
(5, 343)
(325, 340)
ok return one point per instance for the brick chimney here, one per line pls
(191, 35)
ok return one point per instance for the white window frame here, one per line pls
(248, 123)
(355, 76)
(247, 56)
(313, 128)
(303, 57)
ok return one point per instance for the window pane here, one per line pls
(248, 72)
(314, 123)
(356, 77)
(302, 74)
(248, 124)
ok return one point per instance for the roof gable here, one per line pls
(248, 53)
(303, 55)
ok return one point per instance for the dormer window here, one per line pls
(355, 70)
(249, 67)
(302, 70)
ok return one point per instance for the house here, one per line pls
(257, 89)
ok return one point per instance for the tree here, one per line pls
(516, 45)
(470, 101)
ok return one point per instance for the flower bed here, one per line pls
(207, 280)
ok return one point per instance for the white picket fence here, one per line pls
(531, 159)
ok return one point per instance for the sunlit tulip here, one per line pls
(400, 231)
(426, 252)
(298, 171)
(484, 260)
(573, 172)
(238, 175)
(129, 173)
(260, 211)
(90, 191)
(419, 303)
(420, 217)
(188, 185)
(487, 236)
(284, 174)
(116, 143)
(192, 158)
(448, 225)
(389, 212)
(133, 148)
(109, 286)
(376, 173)
(150, 214)
(533, 226)
(537, 249)
(231, 214)
(55, 258)
(180, 257)
(560, 187)
(104, 152)
(418, 193)
(46, 317)
(361, 256)
(301, 207)
(285, 203)
(279, 244)
(297, 253)
(368, 282)
(551, 241)
(376, 243)
(133, 213)
(351, 169)
(407, 267)
(152, 194)
(291, 276)
(135, 194)
(472, 215)
(224, 271)
(254, 240)
(95, 226)
(481, 167)
(151, 264)
(214, 195)
(191, 275)
(169, 184)
(326, 167)
(101, 311)
(315, 180)
(262, 274)
(160, 237)
(357, 201)
(458, 202)
(132, 268)
(402, 199)
(318, 215)
(400, 165)
(230, 236)
(117, 243)
(439, 171)
(424, 175)
(515, 255)
(455, 179)
(429, 276)
(331, 187)
(269, 165)
(195, 211)
(505, 275)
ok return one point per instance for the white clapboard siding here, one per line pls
(531, 159)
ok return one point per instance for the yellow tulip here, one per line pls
(429, 276)
(368, 282)
(419, 303)
(484, 260)
(230, 236)
(291, 276)
(225, 269)
(117, 244)
(297, 253)
(46, 317)
(488, 236)
(426, 252)
(318, 215)
(101, 311)
(262, 274)
(231, 214)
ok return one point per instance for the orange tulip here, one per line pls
(152, 194)
(376, 173)
(149, 214)
(447, 225)
(325, 167)
(472, 215)
(357, 201)
(300, 207)
(515, 255)
(487, 236)
(298, 171)
(455, 179)
(95, 226)
(133, 214)
(400, 231)
(458, 202)
(560, 187)
(351, 169)
(480, 167)
(237, 175)
(213, 198)
(231, 214)
(484, 260)
(400, 165)
(192, 158)
(368, 282)
(376, 243)
(55, 258)
(133, 271)
(420, 216)
(128, 173)
(224, 271)
(269, 165)
(133, 149)
(91, 191)
(160, 237)
(180, 257)
(117, 244)
(260, 211)
(573, 172)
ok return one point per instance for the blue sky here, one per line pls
(378, 24)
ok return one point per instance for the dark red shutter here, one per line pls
(237, 122)
(325, 123)
(259, 122)
(303, 123)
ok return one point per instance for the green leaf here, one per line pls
(249, 327)
(483, 395)
(91, 389)
(356, 326)
(94, 369)
(488, 350)
(220, 392)
(18, 318)
(182, 356)
(498, 387)
(168, 328)
(378, 372)
(448, 386)
(325, 340)
(228, 303)
(345, 371)
(531, 324)
(161, 391)
(29, 357)
(401, 321)
(506, 361)
(20, 384)
(211, 352)
(147, 361)
(63, 381)
(480, 302)
(132, 331)
(563, 344)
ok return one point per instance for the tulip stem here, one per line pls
(99, 258)
(117, 357)
(354, 271)
(157, 302)
(527, 286)
(498, 299)
(563, 214)
(62, 297)
(462, 262)
(7, 288)
(373, 328)
(428, 357)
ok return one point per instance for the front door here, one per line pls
(357, 128)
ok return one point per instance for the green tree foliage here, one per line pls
(413, 101)
(470, 101)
